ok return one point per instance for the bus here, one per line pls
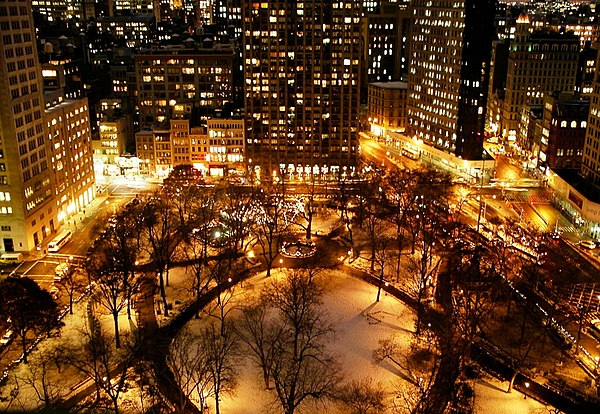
(413, 154)
(59, 241)
(11, 258)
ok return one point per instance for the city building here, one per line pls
(302, 65)
(386, 109)
(63, 76)
(182, 83)
(590, 166)
(586, 69)
(215, 150)
(113, 137)
(70, 150)
(133, 31)
(450, 52)
(132, 7)
(578, 192)
(537, 63)
(227, 16)
(56, 10)
(530, 127)
(387, 33)
(564, 123)
(28, 210)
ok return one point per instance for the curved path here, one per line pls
(158, 340)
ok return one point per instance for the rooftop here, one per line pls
(390, 85)
(585, 187)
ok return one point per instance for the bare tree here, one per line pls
(373, 227)
(309, 207)
(382, 258)
(272, 223)
(422, 267)
(221, 273)
(71, 281)
(46, 387)
(301, 367)
(362, 397)
(111, 285)
(190, 368)
(162, 231)
(119, 245)
(237, 213)
(221, 349)
(418, 367)
(399, 191)
(198, 240)
(259, 334)
(107, 367)
(342, 200)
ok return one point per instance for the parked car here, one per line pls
(6, 337)
(588, 244)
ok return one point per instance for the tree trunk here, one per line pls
(117, 336)
(511, 383)
(217, 409)
(116, 405)
(71, 303)
(129, 307)
(309, 226)
(163, 293)
(380, 286)
(373, 256)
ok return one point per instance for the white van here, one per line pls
(11, 258)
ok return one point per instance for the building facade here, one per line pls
(70, 143)
(215, 150)
(447, 83)
(590, 165)
(538, 63)
(302, 65)
(182, 83)
(564, 122)
(386, 109)
(387, 33)
(28, 212)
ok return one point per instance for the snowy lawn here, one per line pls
(360, 323)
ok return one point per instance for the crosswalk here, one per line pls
(523, 198)
(586, 297)
(567, 229)
(539, 199)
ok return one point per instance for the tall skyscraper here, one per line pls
(537, 63)
(27, 211)
(590, 164)
(450, 53)
(302, 92)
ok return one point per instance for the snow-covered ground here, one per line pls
(360, 323)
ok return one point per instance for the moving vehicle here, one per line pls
(59, 241)
(11, 258)
(588, 244)
(411, 153)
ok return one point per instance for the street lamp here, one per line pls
(526, 390)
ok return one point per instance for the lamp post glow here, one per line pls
(526, 390)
